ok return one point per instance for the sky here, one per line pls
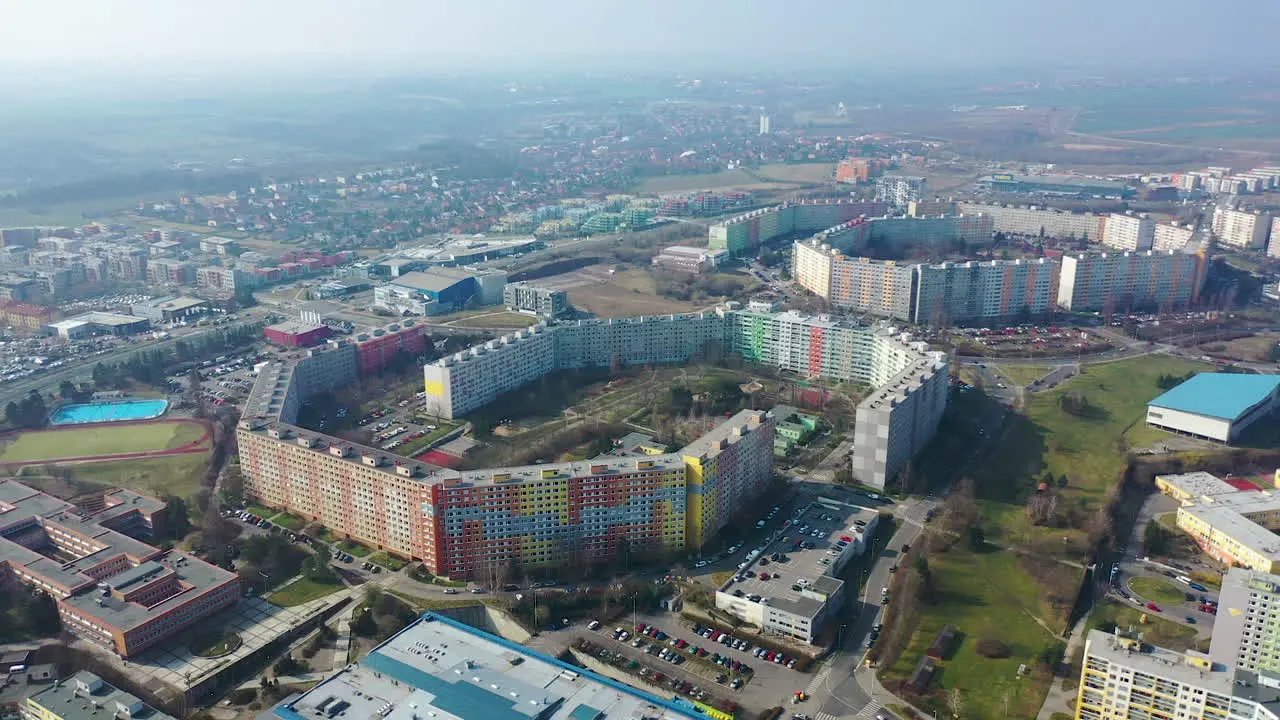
(110, 35)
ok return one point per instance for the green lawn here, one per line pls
(1023, 374)
(168, 475)
(971, 598)
(99, 440)
(1110, 615)
(354, 548)
(1088, 450)
(1157, 590)
(303, 591)
(261, 511)
(413, 448)
(289, 522)
(387, 560)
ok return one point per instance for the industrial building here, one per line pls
(1058, 185)
(171, 309)
(1216, 406)
(99, 323)
(803, 593)
(296, 334)
(690, 259)
(111, 587)
(543, 302)
(439, 290)
(1124, 677)
(1124, 281)
(450, 251)
(441, 668)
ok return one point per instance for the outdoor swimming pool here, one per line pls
(112, 411)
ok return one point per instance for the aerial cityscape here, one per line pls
(599, 361)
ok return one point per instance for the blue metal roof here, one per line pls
(1219, 395)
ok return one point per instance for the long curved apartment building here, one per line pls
(463, 523)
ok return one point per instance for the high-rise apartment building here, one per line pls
(1129, 232)
(898, 190)
(1242, 229)
(1124, 678)
(523, 297)
(1033, 220)
(766, 123)
(1246, 631)
(743, 235)
(1118, 281)
(1172, 236)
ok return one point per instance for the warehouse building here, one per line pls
(1216, 406)
(1059, 185)
(440, 290)
(99, 323)
(171, 309)
(681, 258)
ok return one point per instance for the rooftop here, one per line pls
(435, 279)
(1225, 396)
(440, 668)
(1199, 484)
(85, 696)
(102, 318)
(823, 523)
(1057, 180)
(296, 327)
(175, 303)
(76, 572)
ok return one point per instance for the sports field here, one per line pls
(98, 440)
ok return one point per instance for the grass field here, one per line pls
(387, 560)
(494, 320)
(99, 440)
(979, 607)
(726, 180)
(168, 475)
(626, 294)
(1110, 615)
(799, 172)
(1157, 590)
(1088, 450)
(1023, 374)
(302, 591)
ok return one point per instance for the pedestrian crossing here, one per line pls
(825, 716)
(869, 711)
(818, 680)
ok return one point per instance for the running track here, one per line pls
(202, 444)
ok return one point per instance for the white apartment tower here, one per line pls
(1129, 232)
(1243, 230)
(766, 123)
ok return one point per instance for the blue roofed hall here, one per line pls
(1216, 406)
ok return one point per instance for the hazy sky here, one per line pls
(95, 34)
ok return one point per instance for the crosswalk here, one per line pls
(818, 680)
(825, 716)
(869, 711)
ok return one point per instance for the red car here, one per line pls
(771, 656)
(641, 627)
(682, 644)
(1153, 606)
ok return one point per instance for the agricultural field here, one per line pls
(85, 442)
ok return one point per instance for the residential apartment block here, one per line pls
(898, 190)
(1246, 631)
(1117, 281)
(545, 302)
(1241, 229)
(1172, 236)
(111, 587)
(1129, 232)
(1123, 677)
(944, 293)
(1034, 220)
(743, 235)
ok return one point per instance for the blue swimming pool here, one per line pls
(111, 411)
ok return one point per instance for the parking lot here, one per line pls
(709, 659)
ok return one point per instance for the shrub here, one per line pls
(992, 648)
(242, 696)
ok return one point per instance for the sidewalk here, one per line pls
(1058, 700)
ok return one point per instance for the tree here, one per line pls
(615, 365)
(177, 518)
(977, 538)
(1156, 541)
(925, 590)
(66, 389)
(40, 614)
(317, 568)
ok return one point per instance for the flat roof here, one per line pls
(85, 696)
(1199, 484)
(1225, 396)
(26, 513)
(1056, 180)
(443, 669)
(105, 318)
(434, 279)
(296, 327)
(807, 568)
